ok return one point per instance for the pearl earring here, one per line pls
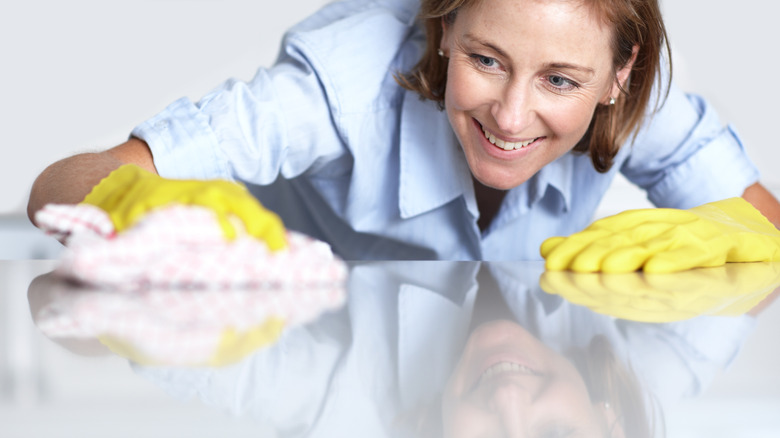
(440, 52)
(611, 100)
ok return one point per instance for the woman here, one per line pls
(540, 97)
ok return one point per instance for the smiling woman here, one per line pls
(532, 73)
(546, 101)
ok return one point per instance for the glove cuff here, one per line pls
(739, 211)
(105, 194)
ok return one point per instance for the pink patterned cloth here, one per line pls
(181, 247)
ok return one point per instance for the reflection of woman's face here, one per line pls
(508, 384)
(525, 75)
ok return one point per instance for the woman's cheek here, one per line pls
(466, 90)
(569, 120)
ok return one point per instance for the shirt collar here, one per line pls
(433, 170)
(554, 178)
(557, 176)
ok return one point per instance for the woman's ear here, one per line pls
(446, 34)
(612, 421)
(622, 75)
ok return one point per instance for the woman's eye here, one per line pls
(557, 430)
(485, 61)
(560, 82)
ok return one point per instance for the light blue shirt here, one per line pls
(328, 139)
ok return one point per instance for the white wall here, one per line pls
(78, 75)
(725, 51)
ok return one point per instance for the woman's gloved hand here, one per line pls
(130, 192)
(668, 240)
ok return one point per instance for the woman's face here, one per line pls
(508, 384)
(523, 81)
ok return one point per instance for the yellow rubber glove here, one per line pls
(130, 192)
(668, 240)
(728, 290)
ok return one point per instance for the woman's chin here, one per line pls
(498, 179)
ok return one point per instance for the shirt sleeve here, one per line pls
(684, 156)
(279, 122)
(680, 360)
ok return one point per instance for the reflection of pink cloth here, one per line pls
(179, 247)
(176, 327)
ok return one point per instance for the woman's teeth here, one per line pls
(506, 367)
(506, 145)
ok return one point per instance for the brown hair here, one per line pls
(635, 23)
(609, 381)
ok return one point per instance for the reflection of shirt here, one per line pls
(379, 174)
(356, 372)
(363, 370)
(672, 360)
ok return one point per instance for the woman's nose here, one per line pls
(513, 110)
(513, 405)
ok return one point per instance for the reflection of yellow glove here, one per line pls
(130, 192)
(728, 290)
(667, 240)
(233, 347)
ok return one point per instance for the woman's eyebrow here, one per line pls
(487, 44)
(569, 66)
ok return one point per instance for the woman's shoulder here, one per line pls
(337, 11)
(355, 47)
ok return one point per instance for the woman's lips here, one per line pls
(505, 144)
(504, 368)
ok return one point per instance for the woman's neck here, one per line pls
(488, 202)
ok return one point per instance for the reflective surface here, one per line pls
(403, 349)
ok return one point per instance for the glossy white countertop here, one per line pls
(47, 390)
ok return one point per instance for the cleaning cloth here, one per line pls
(181, 246)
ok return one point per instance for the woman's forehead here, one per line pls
(557, 26)
(594, 9)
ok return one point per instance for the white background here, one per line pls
(79, 75)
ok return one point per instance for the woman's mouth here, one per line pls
(506, 145)
(504, 369)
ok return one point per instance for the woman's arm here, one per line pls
(764, 201)
(69, 180)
